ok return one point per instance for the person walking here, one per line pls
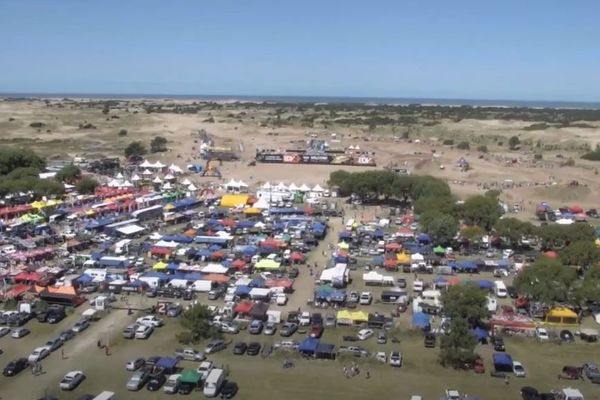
(62, 354)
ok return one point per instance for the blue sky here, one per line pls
(528, 50)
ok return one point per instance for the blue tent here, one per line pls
(167, 363)
(377, 234)
(420, 320)
(345, 235)
(308, 345)
(204, 252)
(196, 168)
(249, 250)
(338, 295)
(155, 274)
(172, 266)
(424, 238)
(245, 224)
(479, 333)
(242, 290)
(378, 260)
(340, 259)
(485, 284)
(83, 279)
(178, 238)
(466, 265)
(502, 362)
(193, 276)
(504, 264)
(257, 282)
(440, 281)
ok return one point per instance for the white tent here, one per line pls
(215, 269)
(158, 165)
(186, 182)
(164, 243)
(135, 177)
(169, 177)
(127, 184)
(337, 273)
(175, 169)
(293, 187)
(266, 186)
(304, 188)
(146, 164)
(318, 188)
(119, 176)
(373, 277)
(146, 172)
(262, 203)
(114, 183)
(564, 221)
(232, 184)
(167, 186)
(242, 184)
(417, 257)
(192, 188)
(157, 180)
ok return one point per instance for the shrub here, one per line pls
(482, 148)
(123, 132)
(448, 142)
(463, 145)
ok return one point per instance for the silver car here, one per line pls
(137, 380)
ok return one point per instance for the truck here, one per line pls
(213, 382)
(190, 354)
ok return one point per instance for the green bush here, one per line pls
(448, 142)
(482, 148)
(463, 146)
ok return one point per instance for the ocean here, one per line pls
(323, 100)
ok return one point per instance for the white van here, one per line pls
(106, 395)
(500, 289)
(202, 286)
(213, 382)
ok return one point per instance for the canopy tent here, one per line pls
(190, 377)
(350, 317)
(403, 258)
(420, 320)
(439, 250)
(561, 316)
(167, 363)
(159, 266)
(146, 164)
(417, 257)
(309, 345)
(175, 169)
(267, 263)
(503, 362)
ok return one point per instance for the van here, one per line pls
(106, 395)
(500, 289)
(213, 382)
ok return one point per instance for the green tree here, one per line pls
(68, 173)
(441, 227)
(514, 142)
(554, 236)
(87, 186)
(481, 210)
(482, 148)
(11, 159)
(443, 204)
(158, 144)
(457, 347)
(465, 301)
(473, 233)
(581, 253)
(546, 280)
(136, 148)
(463, 145)
(588, 289)
(123, 132)
(512, 230)
(196, 322)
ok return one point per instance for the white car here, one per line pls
(396, 359)
(71, 380)
(365, 298)
(452, 394)
(542, 334)
(18, 333)
(150, 320)
(304, 319)
(364, 334)
(172, 384)
(143, 331)
(38, 354)
(204, 368)
(519, 370)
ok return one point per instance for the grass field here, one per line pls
(265, 378)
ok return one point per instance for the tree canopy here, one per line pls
(12, 158)
(87, 186)
(19, 172)
(582, 253)
(441, 227)
(158, 144)
(483, 211)
(69, 173)
(465, 301)
(512, 230)
(457, 347)
(554, 236)
(546, 280)
(136, 148)
(196, 322)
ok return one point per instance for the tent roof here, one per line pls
(561, 312)
(190, 376)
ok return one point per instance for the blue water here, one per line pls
(321, 100)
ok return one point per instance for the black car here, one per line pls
(67, 335)
(156, 382)
(512, 292)
(567, 336)
(15, 366)
(229, 390)
(56, 316)
(86, 397)
(253, 349)
(498, 343)
(316, 319)
(186, 388)
(429, 340)
(240, 348)
(529, 393)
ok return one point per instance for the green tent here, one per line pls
(439, 249)
(189, 376)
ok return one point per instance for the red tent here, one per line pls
(216, 278)
(309, 211)
(390, 262)
(217, 254)
(271, 243)
(393, 246)
(405, 232)
(238, 264)
(243, 307)
(26, 276)
(15, 291)
(575, 209)
(551, 254)
(228, 222)
(160, 251)
(284, 282)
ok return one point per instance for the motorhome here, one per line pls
(213, 382)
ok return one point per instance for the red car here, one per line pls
(316, 331)
(478, 366)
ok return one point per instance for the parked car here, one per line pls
(286, 345)
(15, 366)
(530, 393)
(356, 351)
(204, 369)
(67, 335)
(288, 329)
(156, 382)
(518, 369)
(171, 386)
(541, 334)
(255, 327)
(253, 349)
(150, 320)
(229, 327)
(381, 337)
(364, 334)
(229, 390)
(81, 325)
(54, 344)
(129, 331)
(135, 364)
(71, 380)
(330, 320)
(214, 346)
(190, 354)
(512, 292)
(592, 372)
(498, 343)
(365, 298)
(18, 333)
(270, 329)
(304, 319)
(316, 331)
(143, 331)
(396, 359)
(240, 348)
(429, 340)
(173, 310)
(5, 330)
(137, 380)
(452, 394)
(38, 354)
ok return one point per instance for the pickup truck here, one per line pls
(190, 354)
(353, 350)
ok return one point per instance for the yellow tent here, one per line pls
(159, 265)
(90, 212)
(344, 315)
(343, 246)
(267, 263)
(403, 258)
(38, 204)
(252, 211)
(53, 202)
(169, 207)
(233, 200)
(359, 316)
(561, 316)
